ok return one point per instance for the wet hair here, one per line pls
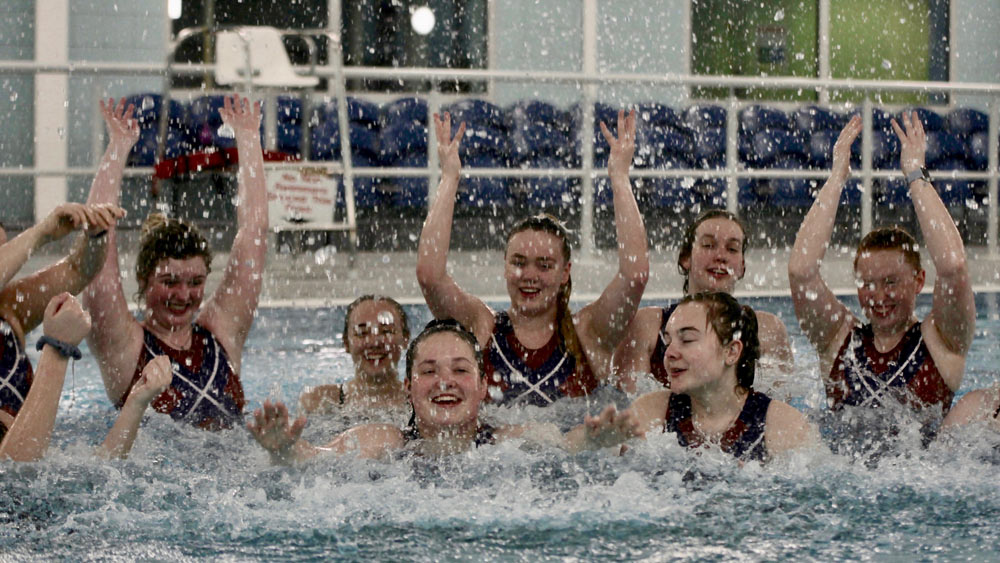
(891, 238)
(163, 238)
(564, 318)
(372, 297)
(687, 243)
(731, 321)
(438, 326)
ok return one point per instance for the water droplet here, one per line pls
(147, 103)
(779, 15)
(886, 64)
(13, 96)
(226, 132)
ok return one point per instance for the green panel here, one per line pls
(885, 40)
(771, 38)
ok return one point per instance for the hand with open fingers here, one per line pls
(623, 146)
(241, 114)
(123, 127)
(842, 148)
(65, 319)
(912, 142)
(272, 430)
(610, 428)
(451, 163)
(155, 379)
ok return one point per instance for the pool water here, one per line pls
(189, 494)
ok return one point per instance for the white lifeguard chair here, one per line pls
(255, 55)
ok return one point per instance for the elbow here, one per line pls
(427, 274)
(953, 265)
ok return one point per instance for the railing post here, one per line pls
(993, 140)
(866, 166)
(433, 163)
(344, 130)
(732, 153)
(587, 242)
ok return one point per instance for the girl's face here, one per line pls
(445, 386)
(375, 338)
(535, 270)
(174, 292)
(695, 358)
(887, 289)
(716, 262)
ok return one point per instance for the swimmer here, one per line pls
(977, 406)
(375, 335)
(893, 355)
(446, 385)
(205, 344)
(711, 258)
(539, 351)
(23, 302)
(65, 324)
(711, 355)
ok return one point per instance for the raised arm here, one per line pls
(634, 351)
(116, 337)
(229, 313)
(822, 316)
(24, 301)
(606, 319)
(29, 435)
(444, 297)
(155, 379)
(953, 313)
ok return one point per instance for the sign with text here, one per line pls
(300, 196)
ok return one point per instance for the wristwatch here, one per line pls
(918, 174)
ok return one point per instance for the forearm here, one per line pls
(251, 213)
(944, 243)
(633, 253)
(29, 436)
(299, 452)
(814, 234)
(16, 252)
(122, 435)
(435, 237)
(106, 187)
(86, 260)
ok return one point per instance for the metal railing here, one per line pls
(586, 173)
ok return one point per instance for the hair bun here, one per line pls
(153, 222)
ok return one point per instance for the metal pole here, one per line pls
(866, 167)
(732, 153)
(587, 242)
(994, 169)
(824, 48)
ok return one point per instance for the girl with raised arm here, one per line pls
(893, 356)
(23, 302)
(711, 356)
(65, 324)
(205, 344)
(538, 350)
(711, 258)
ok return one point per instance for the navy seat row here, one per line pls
(535, 134)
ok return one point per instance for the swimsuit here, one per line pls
(863, 376)
(484, 433)
(15, 373)
(204, 391)
(537, 377)
(744, 439)
(656, 367)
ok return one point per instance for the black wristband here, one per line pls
(98, 235)
(65, 350)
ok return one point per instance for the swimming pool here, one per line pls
(189, 494)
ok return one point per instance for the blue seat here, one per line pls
(206, 121)
(761, 118)
(662, 142)
(815, 118)
(148, 109)
(655, 114)
(885, 150)
(703, 117)
(792, 192)
(966, 121)
(709, 147)
(478, 112)
(978, 156)
(953, 191)
(485, 192)
(289, 125)
(405, 110)
(943, 146)
(820, 149)
(932, 120)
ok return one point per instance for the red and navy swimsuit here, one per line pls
(536, 377)
(656, 367)
(863, 376)
(744, 439)
(204, 391)
(15, 373)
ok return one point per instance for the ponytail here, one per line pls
(566, 326)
